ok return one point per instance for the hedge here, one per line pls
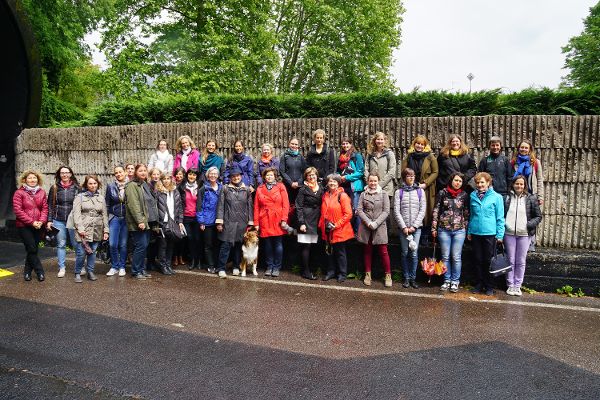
(198, 107)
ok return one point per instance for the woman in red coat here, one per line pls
(271, 209)
(30, 205)
(336, 213)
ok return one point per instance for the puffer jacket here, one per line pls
(234, 212)
(60, 207)
(308, 208)
(384, 166)
(533, 213)
(451, 213)
(163, 210)
(114, 203)
(336, 207)
(30, 208)
(486, 215)
(207, 203)
(409, 207)
(324, 162)
(271, 207)
(90, 216)
(246, 164)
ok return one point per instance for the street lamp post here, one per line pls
(470, 78)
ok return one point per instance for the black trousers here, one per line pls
(30, 237)
(210, 245)
(483, 251)
(193, 239)
(338, 259)
(165, 251)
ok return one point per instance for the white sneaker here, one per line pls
(222, 274)
(83, 271)
(517, 291)
(445, 286)
(243, 273)
(510, 291)
(236, 271)
(112, 272)
(122, 272)
(61, 273)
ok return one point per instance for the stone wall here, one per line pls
(567, 146)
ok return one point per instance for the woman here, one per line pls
(31, 211)
(60, 204)
(206, 215)
(152, 251)
(234, 215)
(409, 208)
(486, 227)
(162, 158)
(373, 211)
(351, 167)
(130, 170)
(334, 223)
(136, 215)
(187, 155)
(308, 210)
(188, 191)
(117, 224)
(210, 158)
(381, 161)
(421, 160)
(522, 216)
(455, 157)
(153, 177)
(180, 245)
(90, 220)
(320, 155)
(267, 160)
(271, 210)
(291, 169)
(169, 208)
(528, 165)
(449, 224)
(244, 162)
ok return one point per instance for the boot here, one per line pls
(367, 280)
(388, 280)
(413, 283)
(181, 260)
(91, 276)
(175, 261)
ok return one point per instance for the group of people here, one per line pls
(198, 206)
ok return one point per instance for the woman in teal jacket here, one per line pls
(351, 167)
(486, 229)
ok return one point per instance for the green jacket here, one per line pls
(136, 210)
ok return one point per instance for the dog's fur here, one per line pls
(249, 251)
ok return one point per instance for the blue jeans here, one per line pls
(117, 242)
(80, 257)
(273, 252)
(61, 241)
(355, 218)
(410, 258)
(451, 243)
(226, 248)
(140, 241)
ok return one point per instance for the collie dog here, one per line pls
(249, 251)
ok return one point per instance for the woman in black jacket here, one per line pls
(308, 210)
(169, 208)
(321, 156)
(455, 157)
(291, 169)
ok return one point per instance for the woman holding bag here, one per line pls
(170, 219)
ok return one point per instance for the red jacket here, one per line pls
(30, 208)
(270, 208)
(338, 212)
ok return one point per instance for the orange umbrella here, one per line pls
(430, 266)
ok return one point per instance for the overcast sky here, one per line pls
(508, 44)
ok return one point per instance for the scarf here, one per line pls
(292, 152)
(238, 157)
(212, 160)
(452, 192)
(373, 191)
(415, 162)
(409, 188)
(455, 153)
(344, 160)
(67, 184)
(312, 186)
(184, 157)
(480, 194)
(523, 166)
(270, 185)
(266, 160)
(192, 187)
(163, 159)
(121, 187)
(87, 193)
(32, 190)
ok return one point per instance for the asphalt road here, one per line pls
(194, 336)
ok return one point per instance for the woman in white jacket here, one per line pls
(161, 158)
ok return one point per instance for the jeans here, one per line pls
(61, 241)
(483, 250)
(273, 252)
(516, 250)
(140, 240)
(193, 238)
(410, 258)
(226, 248)
(117, 242)
(451, 243)
(80, 257)
(30, 237)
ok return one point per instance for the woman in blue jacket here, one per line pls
(244, 162)
(486, 229)
(117, 225)
(206, 214)
(351, 167)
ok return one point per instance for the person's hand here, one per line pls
(105, 236)
(499, 241)
(302, 228)
(405, 231)
(182, 227)
(295, 185)
(343, 179)
(49, 225)
(372, 226)
(412, 229)
(220, 227)
(422, 186)
(541, 202)
(202, 227)
(141, 226)
(251, 189)
(434, 233)
(81, 234)
(256, 227)
(37, 224)
(469, 237)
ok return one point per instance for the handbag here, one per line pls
(499, 263)
(172, 231)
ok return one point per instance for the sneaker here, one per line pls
(236, 271)
(275, 273)
(146, 274)
(454, 287)
(387, 282)
(510, 291)
(139, 277)
(61, 273)
(222, 274)
(414, 284)
(517, 292)
(211, 270)
(83, 271)
(122, 272)
(367, 280)
(406, 284)
(445, 286)
(268, 272)
(78, 278)
(489, 292)
(112, 271)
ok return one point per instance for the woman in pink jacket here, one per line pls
(271, 209)
(187, 155)
(30, 205)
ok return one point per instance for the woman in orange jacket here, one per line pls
(336, 213)
(271, 209)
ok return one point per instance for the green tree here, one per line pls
(583, 53)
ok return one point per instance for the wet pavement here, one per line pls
(196, 336)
